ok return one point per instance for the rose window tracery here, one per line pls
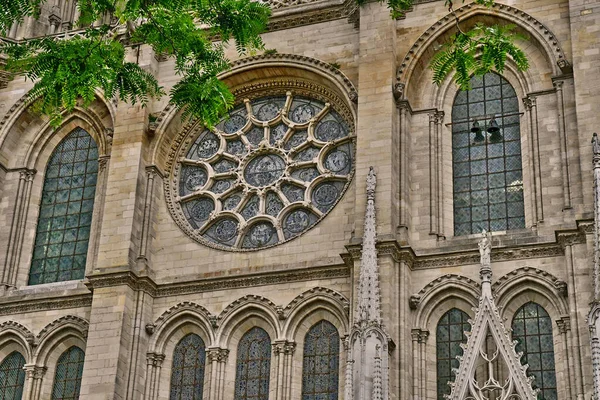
(264, 175)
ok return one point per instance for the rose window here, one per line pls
(264, 175)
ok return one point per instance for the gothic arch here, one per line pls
(187, 316)
(531, 284)
(310, 307)
(14, 336)
(442, 294)
(25, 135)
(259, 75)
(244, 313)
(58, 336)
(552, 60)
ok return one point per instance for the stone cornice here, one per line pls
(21, 306)
(148, 285)
(450, 259)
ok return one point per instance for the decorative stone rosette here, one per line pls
(264, 175)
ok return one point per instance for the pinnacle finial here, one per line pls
(596, 144)
(371, 182)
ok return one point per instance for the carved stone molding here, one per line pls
(79, 323)
(442, 281)
(21, 330)
(243, 301)
(155, 359)
(518, 17)
(179, 307)
(558, 285)
(315, 12)
(211, 284)
(451, 259)
(315, 292)
(45, 304)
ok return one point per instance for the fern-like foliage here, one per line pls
(194, 33)
(477, 52)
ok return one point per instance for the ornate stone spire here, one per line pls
(594, 315)
(369, 301)
(488, 322)
(367, 376)
(596, 169)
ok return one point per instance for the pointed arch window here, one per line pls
(187, 373)
(67, 378)
(486, 157)
(253, 366)
(320, 367)
(450, 333)
(63, 228)
(12, 376)
(532, 329)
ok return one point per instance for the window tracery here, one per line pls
(264, 175)
(66, 208)
(253, 366)
(532, 329)
(320, 369)
(12, 376)
(450, 333)
(187, 373)
(486, 157)
(67, 378)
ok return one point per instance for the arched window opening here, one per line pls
(12, 376)
(65, 219)
(253, 366)
(532, 329)
(67, 379)
(450, 333)
(320, 367)
(486, 157)
(187, 373)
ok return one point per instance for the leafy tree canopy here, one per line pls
(66, 69)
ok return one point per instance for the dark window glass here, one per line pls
(67, 379)
(488, 178)
(187, 374)
(532, 329)
(450, 334)
(253, 366)
(63, 228)
(12, 376)
(320, 368)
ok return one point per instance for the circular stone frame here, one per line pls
(242, 216)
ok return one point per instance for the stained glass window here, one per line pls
(253, 366)
(187, 373)
(63, 228)
(532, 329)
(67, 379)
(450, 334)
(487, 171)
(265, 174)
(12, 376)
(320, 368)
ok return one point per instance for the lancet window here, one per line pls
(320, 368)
(532, 329)
(67, 378)
(187, 373)
(12, 376)
(65, 218)
(253, 366)
(486, 157)
(450, 333)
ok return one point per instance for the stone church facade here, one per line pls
(145, 257)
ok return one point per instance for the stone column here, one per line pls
(217, 357)
(432, 175)
(564, 144)
(564, 328)
(153, 365)
(534, 162)
(439, 121)
(283, 351)
(35, 375)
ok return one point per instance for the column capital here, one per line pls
(34, 371)
(217, 354)
(564, 324)
(284, 347)
(155, 359)
(419, 335)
